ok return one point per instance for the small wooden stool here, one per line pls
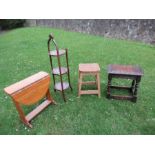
(130, 72)
(28, 92)
(89, 69)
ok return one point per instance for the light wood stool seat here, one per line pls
(89, 69)
(29, 91)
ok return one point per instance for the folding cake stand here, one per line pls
(59, 70)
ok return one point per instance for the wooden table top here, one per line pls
(25, 82)
(125, 70)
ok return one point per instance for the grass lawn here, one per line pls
(23, 52)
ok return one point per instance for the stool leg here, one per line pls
(132, 87)
(98, 85)
(108, 86)
(96, 80)
(136, 89)
(80, 83)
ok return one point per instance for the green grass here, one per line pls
(23, 52)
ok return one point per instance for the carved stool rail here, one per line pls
(89, 69)
(28, 92)
(125, 72)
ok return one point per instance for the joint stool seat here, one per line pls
(89, 69)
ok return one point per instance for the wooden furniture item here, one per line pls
(29, 91)
(89, 69)
(59, 71)
(125, 72)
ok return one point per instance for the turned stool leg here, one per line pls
(80, 83)
(108, 87)
(132, 87)
(136, 89)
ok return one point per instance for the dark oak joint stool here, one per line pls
(133, 73)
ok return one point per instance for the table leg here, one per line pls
(48, 96)
(21, 114)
